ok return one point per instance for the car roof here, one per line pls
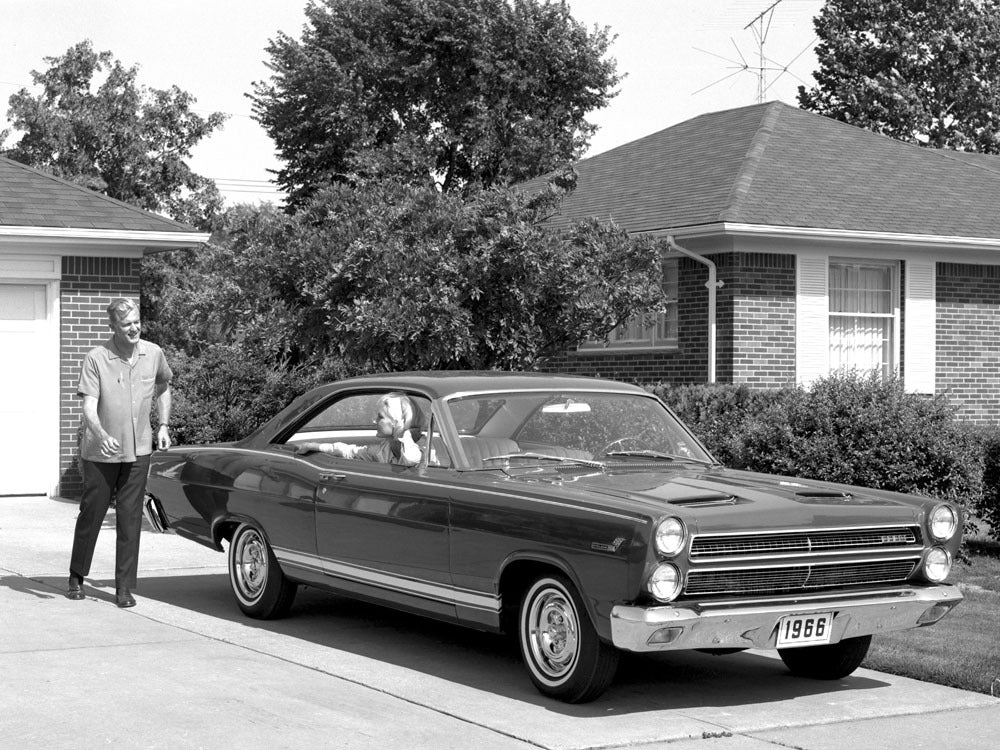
(439, 384)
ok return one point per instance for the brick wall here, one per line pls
(87, 287)
(757, 306)
(968, 339)
(755, 329)
(687, 364)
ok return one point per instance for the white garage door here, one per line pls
(25, 391)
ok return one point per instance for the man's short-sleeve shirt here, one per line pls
(124, 396)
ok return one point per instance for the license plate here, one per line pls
(804, 630)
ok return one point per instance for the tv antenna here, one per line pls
(760, 27)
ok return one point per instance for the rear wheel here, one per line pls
(261, 589)
(829, 662)
(560, 647)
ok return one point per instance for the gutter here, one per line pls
(713, 284)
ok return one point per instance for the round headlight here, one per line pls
(943, 523)
(937, 564)
(665, 583)
(670, 537)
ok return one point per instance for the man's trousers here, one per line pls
(126, 483)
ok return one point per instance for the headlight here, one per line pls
(670, 537)
(943, 523)
(665, 583)
(937, 564)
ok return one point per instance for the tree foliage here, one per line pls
(380, 276)
(915, 70)
(116, 137)
(465, 92)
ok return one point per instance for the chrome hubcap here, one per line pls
(552, 633)
(251, 557)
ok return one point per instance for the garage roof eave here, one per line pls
(149, 241)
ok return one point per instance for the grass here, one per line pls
(963, 649)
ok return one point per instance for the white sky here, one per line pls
(682, 58)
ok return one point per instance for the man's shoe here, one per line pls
(75, 589)
(124, 598)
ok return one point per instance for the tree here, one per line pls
(381, 276)
(923, 71)
(121, 139)
(464, 92)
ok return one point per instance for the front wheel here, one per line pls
(564, 656)
(261, 589)
(829, 662)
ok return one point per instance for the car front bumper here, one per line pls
(754, 623)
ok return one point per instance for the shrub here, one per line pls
(224, 393)
(988, 508)
(847, 428)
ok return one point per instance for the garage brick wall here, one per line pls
(87, 287)
(968, 339)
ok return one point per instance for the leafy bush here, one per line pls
(847, 428)
(989, 504)
(224, 393)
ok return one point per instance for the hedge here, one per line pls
(851, 429)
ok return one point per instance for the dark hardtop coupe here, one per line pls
(578, 514)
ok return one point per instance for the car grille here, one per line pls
(711, 547)
(791, 578)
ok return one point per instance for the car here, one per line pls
(577, 514)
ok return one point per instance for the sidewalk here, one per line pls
(190, 672)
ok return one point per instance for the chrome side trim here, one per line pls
(410, 585)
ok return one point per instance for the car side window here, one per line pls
(347, 418)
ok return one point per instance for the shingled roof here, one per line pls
(776, 165)
(32, 198)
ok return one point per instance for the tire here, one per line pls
(261, 589)
(565, 658)
(827, 662)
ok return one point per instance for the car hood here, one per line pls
(720, 499)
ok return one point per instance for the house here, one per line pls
(802, 245)
(65, 253)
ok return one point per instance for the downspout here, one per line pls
(712, 285)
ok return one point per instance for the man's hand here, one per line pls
(163, 438)
(109, 446)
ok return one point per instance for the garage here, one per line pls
(65, 253)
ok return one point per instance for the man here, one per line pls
(393, 419)
(119, 380)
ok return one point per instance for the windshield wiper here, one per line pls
(659, 455)
(560, 459)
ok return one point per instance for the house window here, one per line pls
(864, 316)
(633, 335)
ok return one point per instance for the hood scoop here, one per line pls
(823, 496)
(706, 501)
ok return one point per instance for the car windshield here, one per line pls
(570, 427)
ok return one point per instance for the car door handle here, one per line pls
(332, 477)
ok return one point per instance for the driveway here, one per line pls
(185, 669)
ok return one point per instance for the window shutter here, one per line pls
(919, 336)
(812, 327)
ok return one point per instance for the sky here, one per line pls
(680, 58)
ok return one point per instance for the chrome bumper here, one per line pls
(753, 623)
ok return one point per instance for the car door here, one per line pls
(381, 529)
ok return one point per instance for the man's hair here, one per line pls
(120, 307)
(405, 409)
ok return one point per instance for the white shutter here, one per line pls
(920, 339)
(812, 327)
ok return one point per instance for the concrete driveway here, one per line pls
(184, 669)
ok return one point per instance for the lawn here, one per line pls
(963, 649)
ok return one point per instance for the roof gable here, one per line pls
(776, 165)
(32, 198)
